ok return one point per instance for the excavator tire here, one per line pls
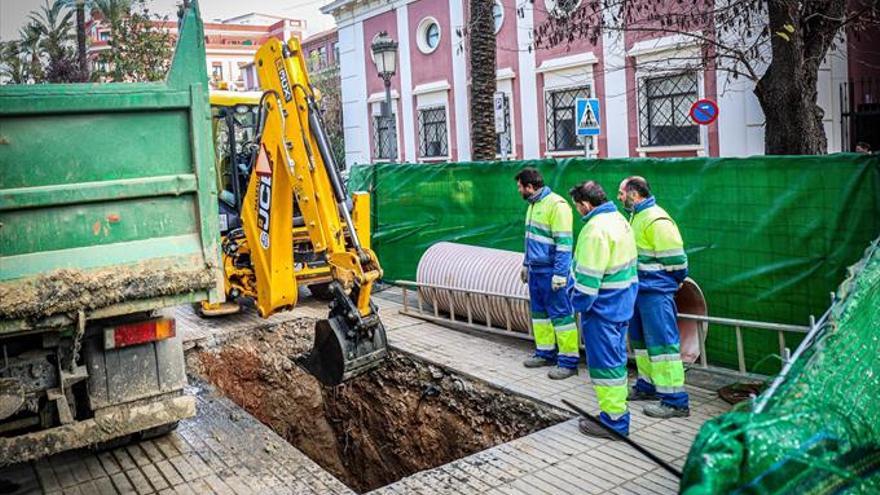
(322, 292)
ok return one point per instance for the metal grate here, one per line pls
(503, 140)
(432, 132)
(664, 109)
(385, 137)
(561, 132)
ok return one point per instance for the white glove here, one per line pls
(558, 282)
(524, 274)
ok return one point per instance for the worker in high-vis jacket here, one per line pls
(548, 244)
(653, 331)
(604, 292)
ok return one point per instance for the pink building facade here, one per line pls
(645, 87)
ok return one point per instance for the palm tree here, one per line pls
(13, 66)
(54, 24)
(80, 7)
(483, 76)
(112, 11)
(29, 47)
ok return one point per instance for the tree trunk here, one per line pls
(81, 40)
(482, 61)
(788, 91)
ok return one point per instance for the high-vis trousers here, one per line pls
(605, 342)
(653, 334)
(553, 322)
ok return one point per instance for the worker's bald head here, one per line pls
(632, 191)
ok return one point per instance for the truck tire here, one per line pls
(159, 431)
(114, 443)
(321, 291)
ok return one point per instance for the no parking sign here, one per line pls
(704, 111)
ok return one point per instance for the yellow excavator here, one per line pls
(287, 192)
(234, 118)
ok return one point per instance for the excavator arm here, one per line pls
(294, 163)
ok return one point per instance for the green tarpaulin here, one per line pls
(768, 237)
(819, 433)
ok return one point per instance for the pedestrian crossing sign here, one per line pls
(587, 116)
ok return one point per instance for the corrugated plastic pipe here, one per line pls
(476, 268)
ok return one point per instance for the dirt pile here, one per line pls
(404, 417)
(67, 291)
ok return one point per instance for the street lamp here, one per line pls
(384, 51)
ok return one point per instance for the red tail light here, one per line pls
(138, 333)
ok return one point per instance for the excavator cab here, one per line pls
(293, 192)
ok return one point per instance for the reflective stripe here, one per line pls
(619, 285)
(614, 269)
(571, 354)
(589, 271)
(568, 327)
(669, 390)
(539, 238)
(545, 347)
(615, 417)
(665, 357)
(541, 321)
(651, 267)
(540, 225)
(590, 291)
(563, 248)
(657, 267)
(661, 254)
(641, 352)
(669, 252)
(609, 382)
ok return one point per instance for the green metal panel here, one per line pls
(99, 223)
(42, 150)
(99, 175)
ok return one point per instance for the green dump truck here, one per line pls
(108, 213)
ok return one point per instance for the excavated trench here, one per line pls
(405, 417)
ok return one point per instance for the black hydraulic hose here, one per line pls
(233, 159)
(320, 135)
(660, 462)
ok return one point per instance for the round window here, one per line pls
(561, 8)
(428, 35)
(498, 15)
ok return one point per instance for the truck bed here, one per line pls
(108, 200)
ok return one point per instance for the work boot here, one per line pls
(637, 395)
(664, 412)
(560, 373)
(591, 429)
(537, 362)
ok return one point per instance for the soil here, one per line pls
(404, 417)
(68, 291)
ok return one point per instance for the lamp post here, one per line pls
(384, 50)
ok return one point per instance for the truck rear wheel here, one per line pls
(159, 431)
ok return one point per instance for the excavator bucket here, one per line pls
(346, 344)
(339, 353)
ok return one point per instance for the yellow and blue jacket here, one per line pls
(548, 233)
(663, 264)
(604, 266)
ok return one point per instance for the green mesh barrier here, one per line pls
(768, 237)
(820, 431)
